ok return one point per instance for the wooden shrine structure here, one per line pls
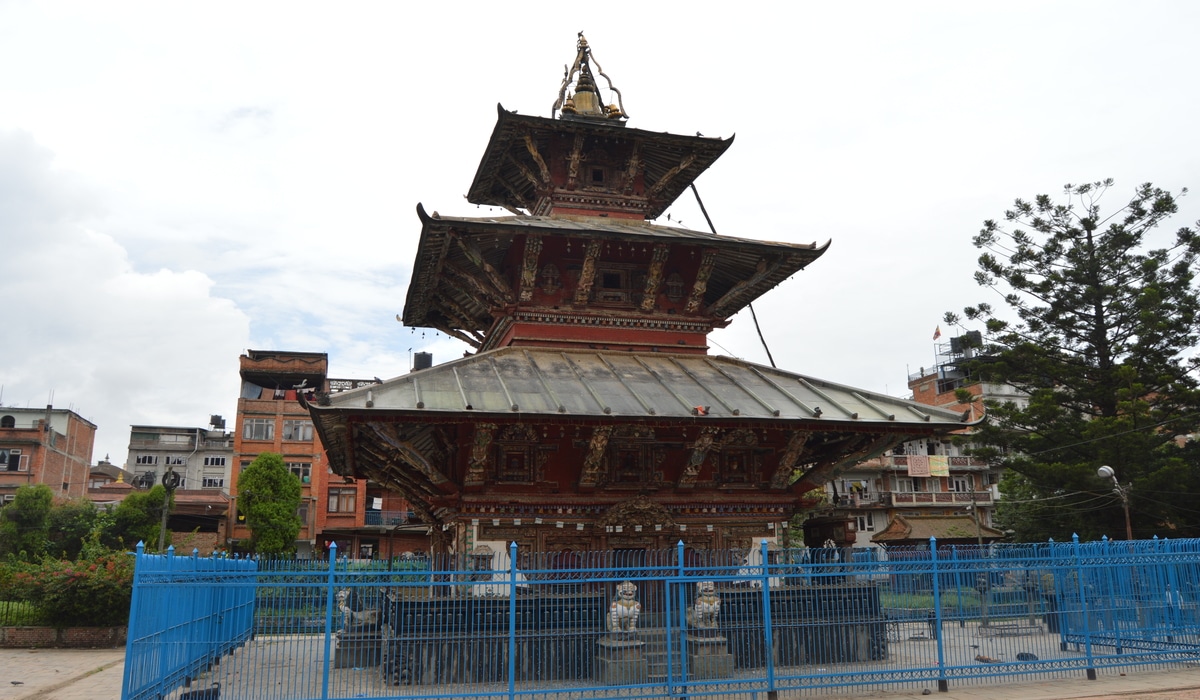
(590, 415)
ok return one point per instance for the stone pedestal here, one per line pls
(357, 648)
(621, 660)
(708, 655)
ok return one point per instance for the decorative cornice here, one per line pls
(657, 323)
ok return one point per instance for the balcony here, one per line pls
(386, 518)
(941, 498)
(956, 463)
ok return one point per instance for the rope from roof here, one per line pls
(753, 315)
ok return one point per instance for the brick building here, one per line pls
(50, 446)
(365, 519)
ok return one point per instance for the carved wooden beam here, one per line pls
(529, 266)
(787, 461)
(670, 175)
(511, 191)
(747, 289)
(472, 283)
(696, 298)
(405, 451)
(533, 180)
(469, 340)
(700, 450)
(654, 278)
(458, 316)
(587, 276)
(480, 459)
(826, 470)
(631, 170)
(537, 158)
(573, 162)
(594, 462)
(476, 257)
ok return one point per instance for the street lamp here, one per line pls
(1107, 472)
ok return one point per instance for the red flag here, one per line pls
(937, 333)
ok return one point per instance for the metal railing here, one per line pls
(386, 517)
(732, 623)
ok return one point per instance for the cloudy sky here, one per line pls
(181, 182)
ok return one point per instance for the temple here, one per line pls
(590, 415)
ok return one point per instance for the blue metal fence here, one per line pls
(728, 623)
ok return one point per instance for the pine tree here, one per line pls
(1096, 329)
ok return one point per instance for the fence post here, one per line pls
(512, 620)
(1083, 606)
(331, 582)
(768, 634)
(943, 683)
(131, 627)
(682, 626)
(962, 617)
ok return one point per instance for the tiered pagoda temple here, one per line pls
(591, 415)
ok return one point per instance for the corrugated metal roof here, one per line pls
(518, 380)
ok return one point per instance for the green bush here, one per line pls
(92, 592)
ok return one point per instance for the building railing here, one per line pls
(660, 623)
(956, 463)
(386, 517)
(939, 498)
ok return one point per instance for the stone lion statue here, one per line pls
(706, 607)
(624, 611)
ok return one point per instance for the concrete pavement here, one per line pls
(95, 674)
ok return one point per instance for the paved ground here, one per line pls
(95, 674)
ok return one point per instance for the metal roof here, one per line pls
(519, 380)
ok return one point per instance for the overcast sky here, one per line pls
(181, 182)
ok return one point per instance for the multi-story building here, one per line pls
(50, 446)
(202, 457)
(366, 520)
(930, 478)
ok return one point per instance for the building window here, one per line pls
(8, 422)
(13, 461)
(214, 461)
(961, 484)
(342, 500)
(302, 470)
(175, 461)
(298, 430)
(146, 459)
(258, 429)
(866, 522)
(914, 484)
(210, 482)
(302, 513)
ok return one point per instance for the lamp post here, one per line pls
(985, 586)
(1122, 491)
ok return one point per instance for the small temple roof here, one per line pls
(571, 383)
(943, 527)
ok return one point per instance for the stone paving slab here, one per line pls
(96, 674)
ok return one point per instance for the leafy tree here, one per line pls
(269, 497)
(138, 518)
(24, 528)
(1094, 328)
(69, 525)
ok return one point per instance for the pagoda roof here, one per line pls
(944, 527)
(739, 257)
(523, 381)
(672, 159)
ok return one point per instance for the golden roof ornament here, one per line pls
(584, 102)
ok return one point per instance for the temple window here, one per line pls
(675, 287)
(514, 466)
(550, 279)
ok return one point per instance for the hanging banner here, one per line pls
(939, 465)
(918, 465)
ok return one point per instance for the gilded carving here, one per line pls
(533, 248)
(701, 285)
(654, 278)
(587, 276)
(573, 161)
(787, 461)
(537, 158)
(700, 449)
(630, 175)
(481, 453)
(638, 510)
(593, 463)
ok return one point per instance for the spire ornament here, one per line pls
(584, 102)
